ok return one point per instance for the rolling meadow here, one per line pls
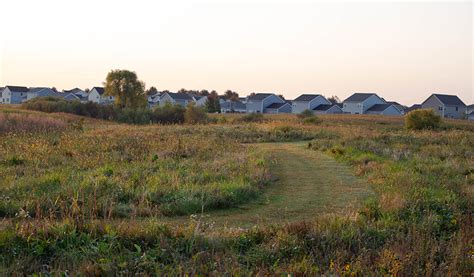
(95, 197)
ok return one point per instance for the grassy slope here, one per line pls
(308, 184)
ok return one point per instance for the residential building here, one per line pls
(257, 103)
(230, 106)
(200, 100)
(41, 92)
(308, 102)
(384, 109)
(447, 106)
(328, 109)
(14, 94)
(359, 103)
(412, 108)
(279, 108)
(172, 98)
(97, 95)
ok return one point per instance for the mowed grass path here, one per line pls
(308, 184)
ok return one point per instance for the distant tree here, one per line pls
(212, 103)
(87, 90)
(231, 95)
(151, 91)
(129, 92)
(334, 99)
(281, 96)
(204, 92)
(54, 89)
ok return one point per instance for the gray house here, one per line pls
(359, 103)
(172, 98)
(447, 106)
(279, 108)
(14, 94)
(230, 106)
(41, 92)
(308, 102)
(328, 109)
(412, 108)
(257, 103)
(384, 109)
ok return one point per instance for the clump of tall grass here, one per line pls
(422, 119)
(27, 123)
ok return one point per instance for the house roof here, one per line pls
(17, 89)
(414, 107)
(469, 107)
(74, 90)
(450, 100)
(306, 97)
(277, 105)
(325, 107)
(100, 90)
(379, 107)
(180, 96)
(259, 96)
(359, 97)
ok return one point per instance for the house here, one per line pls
(200, 100)
(258, 102)
(412, 108)
(470, 109)
(359, 103)
(470, 116)
(447, 106)
(397, 105)
(41, 92)
(231, 106)
(308, 102)
(97, 95)
(172, 98)
(154, 100)
(279, 108)
(14, 94)
(384, 109)
(328, 109)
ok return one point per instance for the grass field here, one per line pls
(350, 195)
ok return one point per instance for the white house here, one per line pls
(182, 99)
(449, 106)
(328, 109)
(384, 109)
(257, 103)
(359, 103)
(97, 95)
(14, 94)
(308, 102)
(200, 100)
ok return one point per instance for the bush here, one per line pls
(251, 117)
(168, 114)
(312, 120)
(422, 119)
(305, 114)
(195, 115)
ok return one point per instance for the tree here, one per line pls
(151, 91)
(212, 103)
(281, 96)
(231, 95)
(129, 92)
(334, 99)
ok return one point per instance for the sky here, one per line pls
(404, 51)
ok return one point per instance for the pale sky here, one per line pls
(404, 51)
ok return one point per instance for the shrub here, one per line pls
(312, 120)
(305, 114)
(195, 115)
(422, 119)
(168, 114)
(251, 117)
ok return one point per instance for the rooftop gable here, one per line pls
(259, 96)
(17, 89)
(359, 97)
(380, 107)
(100, 90)
(307, 97)
(449, 100)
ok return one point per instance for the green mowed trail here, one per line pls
(308, 184)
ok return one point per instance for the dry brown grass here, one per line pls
(23, 123)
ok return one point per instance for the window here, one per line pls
(440, 108)
(456, 108)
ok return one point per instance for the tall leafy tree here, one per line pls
(129, 92)
(151, 91)
(231, 95)
(212, 103)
